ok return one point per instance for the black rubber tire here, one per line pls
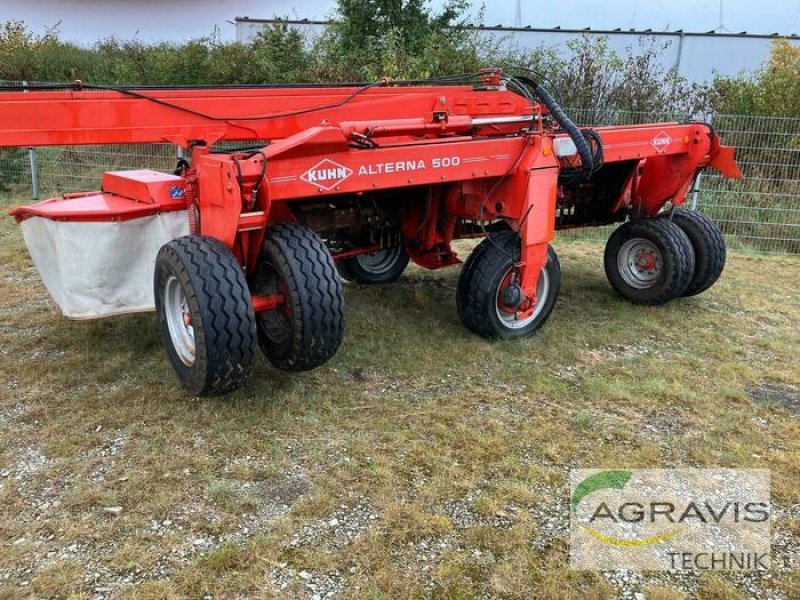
(222, 318)
(353, 270)
(482, 275)
(708, 244)
(677, 256)
(308, 330)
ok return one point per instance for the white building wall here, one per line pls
(698, 56)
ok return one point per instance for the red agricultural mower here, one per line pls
(239, 247)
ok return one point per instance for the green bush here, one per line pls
(373, 39)
(773, 90)
(599, 83)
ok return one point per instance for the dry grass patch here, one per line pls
(421, 461)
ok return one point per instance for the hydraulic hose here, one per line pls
(584, 150)
(581, 143)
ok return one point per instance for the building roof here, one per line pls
(531, 29)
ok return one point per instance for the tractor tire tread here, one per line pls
(709, 248)
(315, 287)
(472, 291)
(476, 292)
(227, 321)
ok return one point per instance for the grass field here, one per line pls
(421, 461)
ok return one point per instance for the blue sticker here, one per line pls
(176, 192)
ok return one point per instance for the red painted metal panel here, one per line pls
(92, 206)
(126, 195)
(347, 170)
(110, 117)
(151, 187)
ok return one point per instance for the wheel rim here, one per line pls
(377, 263)
(522, 316)
(640, 262)
(179, 321)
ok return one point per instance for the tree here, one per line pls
(773, 90)
(279, 55)
(372, 39)
(20, 49)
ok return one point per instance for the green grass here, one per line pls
(433, 452)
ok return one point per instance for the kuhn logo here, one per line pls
(661, 142)
(326, 174)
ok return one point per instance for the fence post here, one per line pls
(34, 172)
(696, 190)
(34, 165)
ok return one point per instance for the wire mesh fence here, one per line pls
(762, 210)
(759, 212)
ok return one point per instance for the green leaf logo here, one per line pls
(599, 481)
(615, 480)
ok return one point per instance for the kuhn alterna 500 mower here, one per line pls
(238, 248)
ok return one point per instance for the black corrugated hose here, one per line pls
(577, 136)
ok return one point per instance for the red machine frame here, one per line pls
(447, 160)
(465, 144)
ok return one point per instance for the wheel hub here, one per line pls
(647, 262)
(518, 314)
(640, 263)
(512, 295)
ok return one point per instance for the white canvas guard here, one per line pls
(99, 269)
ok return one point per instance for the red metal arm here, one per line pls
(179, 116)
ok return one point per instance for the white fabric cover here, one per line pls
(101, 269)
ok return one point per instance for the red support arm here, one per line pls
(179, 116)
